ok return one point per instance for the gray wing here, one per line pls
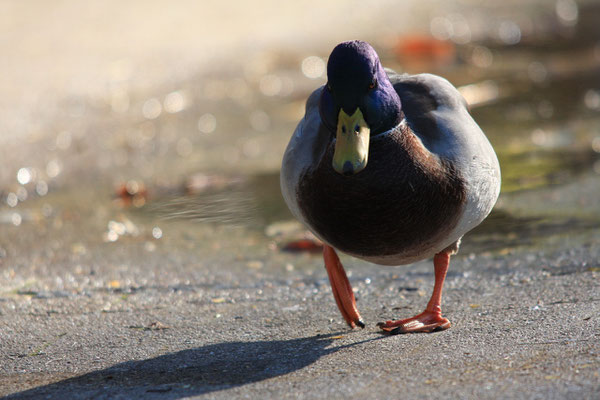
(438, 114)
(432, 106)
(305, 149)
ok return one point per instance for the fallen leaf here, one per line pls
(131, 193)
(308, 245)
(424, 49)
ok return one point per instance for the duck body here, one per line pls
(429, 180)
(390, 169)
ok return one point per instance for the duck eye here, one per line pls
(373, 84)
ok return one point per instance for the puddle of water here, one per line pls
(541, 168)
(256, 205)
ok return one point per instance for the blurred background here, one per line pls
(147, 126)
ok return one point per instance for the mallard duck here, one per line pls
(389, 168)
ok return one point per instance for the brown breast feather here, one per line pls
(404, 201)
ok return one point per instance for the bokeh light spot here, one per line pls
(157, 232)
(16, 219)
(480, 93)
(482, 57)
(41, 188)
(24, 176)
(537, 72)
(591, 99)
(12, 200)
(509, 32)
(270, 85)
(53, 168)
(567, 12)
(539, 137)
(117, 227)
(207, 123)
(111, 236)
(313, 67)
(441, 28)
(175, 102)
(596, 144)
(151, 108)
(461, 32)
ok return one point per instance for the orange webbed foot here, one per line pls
(427, 322)
(431, 319)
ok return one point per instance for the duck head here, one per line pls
(357, 103)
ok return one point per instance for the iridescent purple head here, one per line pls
(358, 101)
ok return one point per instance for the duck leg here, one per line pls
(431, 319)
(342, 291)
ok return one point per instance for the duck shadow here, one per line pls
(193, 372)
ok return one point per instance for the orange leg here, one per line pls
(431, 319)
(342, 291)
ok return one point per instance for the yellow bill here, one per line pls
(352, 143)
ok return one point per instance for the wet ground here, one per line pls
(142, 231)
